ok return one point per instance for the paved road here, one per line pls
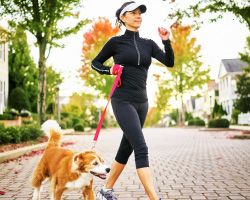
(186, 163)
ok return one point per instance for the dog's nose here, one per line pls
(107, 170)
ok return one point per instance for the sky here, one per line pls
(221, 40)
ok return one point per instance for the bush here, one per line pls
(25, 113)
(13, 112)
(188, 116)
(78, 127)
(174, 115)
(27, 122)
(196, 122)
(218, 123)
(19, 134)
(34, 132)
(94, 125)
(69, 123)
(14, 134)
(6, 116)
(235, 114)
(19, 99)
(64, 115)
(30, 133)
(75, 121)
(63, 125)
(4, 137)
(25, 136)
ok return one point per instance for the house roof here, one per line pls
(233, 65)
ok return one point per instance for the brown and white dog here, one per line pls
(66, 169)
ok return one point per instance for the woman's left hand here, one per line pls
(163, 33)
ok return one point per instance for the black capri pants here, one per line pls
(131, 117)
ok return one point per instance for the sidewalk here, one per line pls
(186, 164)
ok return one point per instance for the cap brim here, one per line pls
(142, 7)
(132, 7)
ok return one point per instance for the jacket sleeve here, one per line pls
(104, 54)
(167, 57)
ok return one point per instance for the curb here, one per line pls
(21, 151)
(9, 155)
(4, 156)
(218, 129)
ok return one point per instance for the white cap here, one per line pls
(133, 6)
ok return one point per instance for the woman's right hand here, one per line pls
(114, 70)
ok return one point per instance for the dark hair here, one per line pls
(119, 22)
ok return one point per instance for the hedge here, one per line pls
(218, 123)
(196, 122)
(78, 127)
(19, 134)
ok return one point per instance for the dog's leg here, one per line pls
(36, 194)
(52, 188)
(58, 193)
(37, 179)
(88, 192)
(57, 190)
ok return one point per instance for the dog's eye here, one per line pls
(95, 163)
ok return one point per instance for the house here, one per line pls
(202, 106)
(229, 69)
(4, 74)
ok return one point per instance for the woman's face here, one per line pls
(132, 19)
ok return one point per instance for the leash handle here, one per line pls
(117, 83)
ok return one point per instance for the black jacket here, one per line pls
(134, 53)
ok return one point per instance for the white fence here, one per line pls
(244, 118)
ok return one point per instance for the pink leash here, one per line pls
(117, 70)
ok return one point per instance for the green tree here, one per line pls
(53, 81)
(162, 96)
(4, 35)
(218, 111)
(243, 83)
(187, 74)
(153, 117)
(23, 72)
(42, 19)
(243, 90)
(19, 99)
(240, 9)
(82, 106)
(94, 40)
(245, 56)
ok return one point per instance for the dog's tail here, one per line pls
(53, 130)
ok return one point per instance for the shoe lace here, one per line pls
(109, 194)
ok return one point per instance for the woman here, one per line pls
(129, 101)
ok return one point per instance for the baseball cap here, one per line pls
(132, 6)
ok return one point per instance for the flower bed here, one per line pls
(10, 147)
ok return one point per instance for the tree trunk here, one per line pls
(181, 114)
(42, 83)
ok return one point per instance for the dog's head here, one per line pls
(90, 162)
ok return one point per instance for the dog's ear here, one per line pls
(79, 162)
(100, 158)
(78, 157)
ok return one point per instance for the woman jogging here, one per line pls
(129, 101)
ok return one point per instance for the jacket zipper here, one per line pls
(137, 50)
